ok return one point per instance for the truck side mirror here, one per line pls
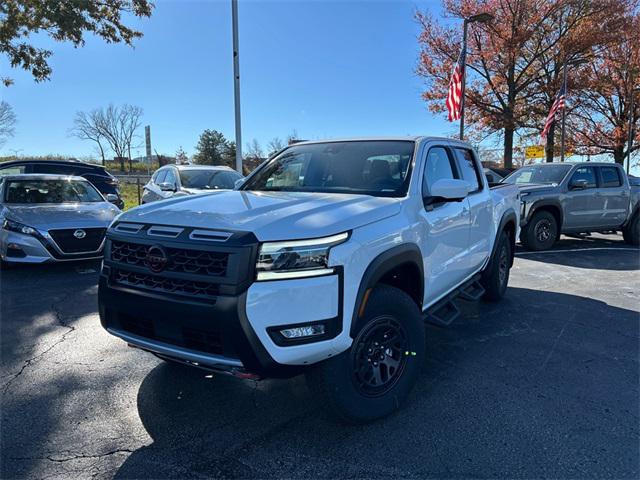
(449, 190)
(579, 184)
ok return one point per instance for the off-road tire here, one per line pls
(495, 277)
(345, 382)
(631, 231)
(541, 232)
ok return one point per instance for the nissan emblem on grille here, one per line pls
(156, 259)
(79, 234)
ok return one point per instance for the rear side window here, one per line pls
(585, 173)
(438, 166)
(610, 177)
(14, 170)
(53, 169)
(468, 168)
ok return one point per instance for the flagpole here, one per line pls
(465, 26)
(564, 89)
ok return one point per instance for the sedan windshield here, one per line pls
(547, 174)
(50, 191)
(379, 168)
(208, 179)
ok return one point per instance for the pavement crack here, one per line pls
(60, 321)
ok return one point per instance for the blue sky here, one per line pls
(325, 69)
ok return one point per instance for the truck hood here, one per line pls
(68, 215)
(269, 215)
(535, 187)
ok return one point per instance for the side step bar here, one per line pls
(444, 312)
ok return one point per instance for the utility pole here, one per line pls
(236, 84)
(564, 108)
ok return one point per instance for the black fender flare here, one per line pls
(508, 216)
(382, 264)
(546, 202)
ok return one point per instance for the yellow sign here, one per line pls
(538, 151)
(535, 151)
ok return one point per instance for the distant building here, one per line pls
(154, 159)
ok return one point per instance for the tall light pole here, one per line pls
(236, 84)
(631, 108)
(481, 18)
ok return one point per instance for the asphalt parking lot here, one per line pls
(543, 384)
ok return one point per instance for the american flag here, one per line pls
(557, 106)
(454, 97)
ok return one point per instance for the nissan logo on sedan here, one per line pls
(79, 234)
(156, 259)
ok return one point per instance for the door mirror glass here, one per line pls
(450, 189)
(167, 187)
(579, 184)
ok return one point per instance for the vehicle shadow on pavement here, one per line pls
(598, 253)
(38, 300)
(541, 384)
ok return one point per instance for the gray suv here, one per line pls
(575, 198)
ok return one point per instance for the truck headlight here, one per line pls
(296, 258)
(19, 227)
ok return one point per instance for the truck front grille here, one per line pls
(197, 262)
(164, 284)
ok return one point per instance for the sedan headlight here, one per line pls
(296, 258)
(19, 227)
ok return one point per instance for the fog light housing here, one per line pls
(303, 332)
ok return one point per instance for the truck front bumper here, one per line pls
(235, 334)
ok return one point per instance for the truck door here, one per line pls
(614, 194)
(583, 208)
(445, 234)
(480, 209)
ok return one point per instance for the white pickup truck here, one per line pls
(328, 259)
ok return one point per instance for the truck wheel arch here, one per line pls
(552, 207)
(507, 223)
(405, 259)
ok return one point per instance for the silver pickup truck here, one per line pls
(575, 199)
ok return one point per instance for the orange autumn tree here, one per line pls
(503, 59)
(578, 33)
(600, 121)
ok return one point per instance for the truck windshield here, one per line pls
(50, 191)
(548, 174)
(379, 168)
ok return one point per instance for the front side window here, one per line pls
(438, 166)
(541, 174)
(610, 177)
(170, 177)
(585, 173)
(208, 179)
(160, 176)
(468, 168)
(379, 168)
(50, 191)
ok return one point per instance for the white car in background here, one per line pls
(180, 180)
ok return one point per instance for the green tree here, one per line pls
(63, 21)
(214, 149)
